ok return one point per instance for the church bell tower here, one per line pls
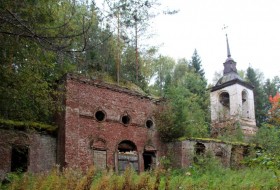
(232, 102)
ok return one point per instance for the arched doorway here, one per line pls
(245, 104)
(127, 156)
(99, 150)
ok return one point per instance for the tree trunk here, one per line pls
(118, 51)
(136, 52)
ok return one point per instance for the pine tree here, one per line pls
(195, 63)
(260, 98)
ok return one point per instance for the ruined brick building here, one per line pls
(108, 126)
(102, 124)
(26, 147)
(111, 127)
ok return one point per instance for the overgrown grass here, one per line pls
(207, 176)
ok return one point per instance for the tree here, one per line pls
(27, 86)
(188, 111)
(133, 16)
(188, 101)
(163, 70)
(195, 63)
(103, 56)
(217, 76)
(39, 43)
(272, 87)
(128, 68)
(274, 112)
(260, 99)
(50, 24)
(180, 70)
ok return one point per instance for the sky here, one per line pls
(253, 32)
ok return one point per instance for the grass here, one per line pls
(207, 173)
(208, 176)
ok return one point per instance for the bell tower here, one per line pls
(232, 102)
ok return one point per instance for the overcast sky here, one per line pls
(253, 31)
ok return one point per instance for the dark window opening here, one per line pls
(244, 96)
(245, 105)
(125, 119)
(224, 99)
(219, 154)
(19, 161)
(100, 116)
(246, 152)
(149, 123)
(199, 148)
(233, 157)
(149, 158)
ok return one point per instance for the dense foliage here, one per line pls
(210, 176)
(186, 112)
(36, 42)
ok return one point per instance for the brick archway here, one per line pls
(127, 155)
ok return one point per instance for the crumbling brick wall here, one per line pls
(228, 154)
(41, 150)
(83, 133)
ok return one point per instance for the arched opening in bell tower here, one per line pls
(245, 104)
(224, 100)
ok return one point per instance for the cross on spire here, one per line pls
(230, 64)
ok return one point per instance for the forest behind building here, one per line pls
(41, 41)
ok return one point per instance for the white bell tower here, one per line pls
(232, 102)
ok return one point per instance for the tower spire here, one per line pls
(228, 50)
(230, 71)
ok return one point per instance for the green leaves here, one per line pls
(187, 113)
(36, 38)
(265, 160)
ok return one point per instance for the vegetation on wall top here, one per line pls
(27, 125)
(217, 141)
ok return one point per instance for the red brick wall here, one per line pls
(83, 98)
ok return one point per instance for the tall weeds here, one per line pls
(208, 176)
